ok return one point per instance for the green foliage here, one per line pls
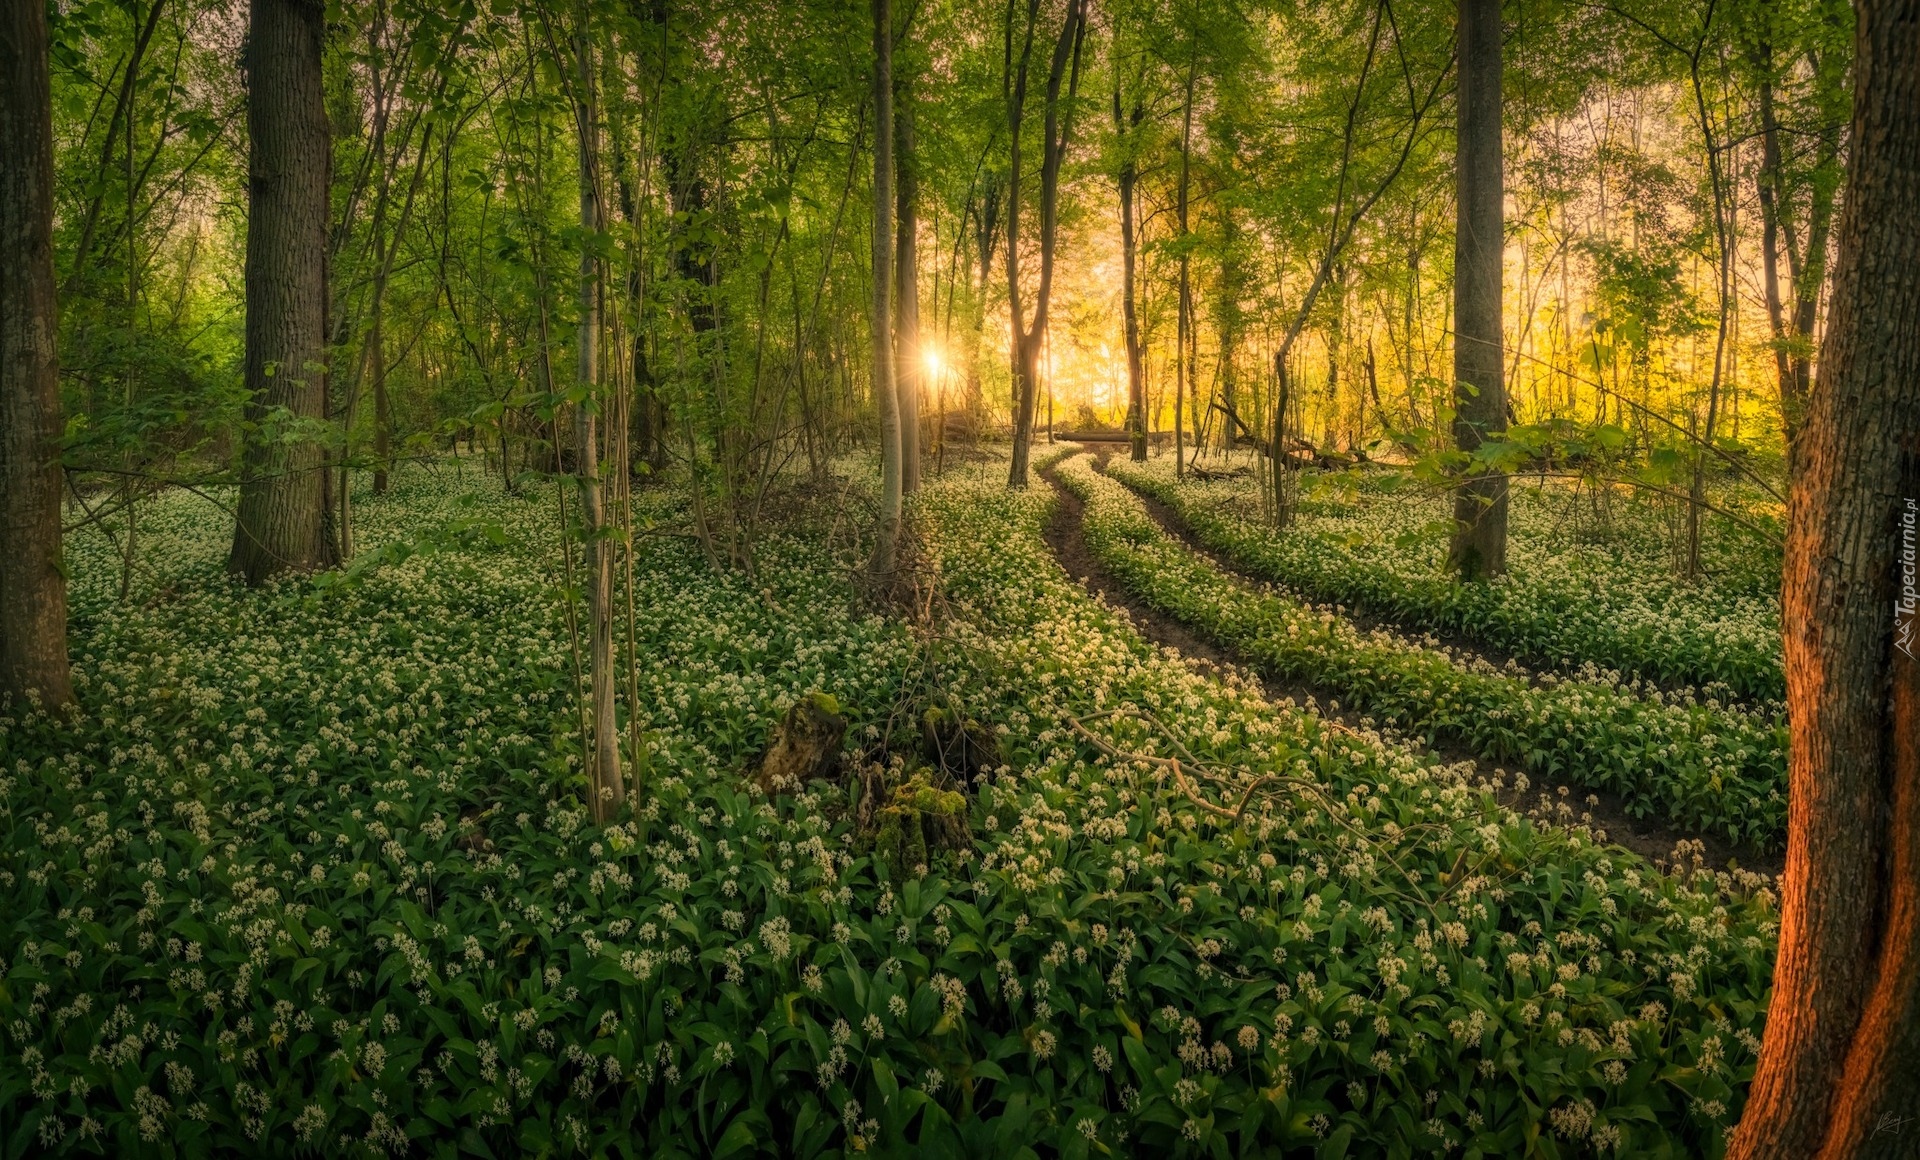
(1564, 606)
(310, 875)
(907, 828)
(1704, 765)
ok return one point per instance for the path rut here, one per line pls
(1608, 814)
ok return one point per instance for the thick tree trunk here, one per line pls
(33, 586)
(906, 271)
(1839, 1072)
(1479, 547)
(886, 546)
(281, 523)
(604, 777)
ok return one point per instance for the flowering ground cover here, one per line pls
(1566, 604)
(1703, 763)
(311, 875)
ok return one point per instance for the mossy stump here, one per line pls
(958, 746)
(806, 745)
(918, 821)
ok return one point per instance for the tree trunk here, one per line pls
(1479, 547)
(987, 237)
(1792, 401)
(382, 406)
(376, 329)
(33, 586)
(906, 323)
(1183, 330)
(1839, 1071)
(1055, 134)
(1129, 248)
(608, 789)
(281, 523)
(886, 545)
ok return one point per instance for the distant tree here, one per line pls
(1479, 547)
(1126, 132)
(281, 524)
(1839, 1071)
(906, 276)
(1029, 336)
(33, 587)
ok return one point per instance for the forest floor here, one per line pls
(1606, 810)
(311, 872)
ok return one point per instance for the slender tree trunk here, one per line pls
(1808, 277)
(1479, 547)
(382, 406)
(376, 329)
(1336, 345)
(83, 250)
(1723, 246)
(906, 323)
(33, 586)
(1056, 131)
(1018, 338)
(1129, 249)
(988, 237)
(1183, 333)
(1792, 402)
(1839, 1071)
(281, 523)
(886, 545)
(604, 776)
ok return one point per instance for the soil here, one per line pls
(1606, 814)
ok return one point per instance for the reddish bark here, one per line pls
(1839, 1072)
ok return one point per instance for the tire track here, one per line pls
(1553, 801)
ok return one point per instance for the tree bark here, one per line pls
(886, 545)
(1055, 134)
(1839, 1071)
(1183, 330)
(906, 322)
(608, 789)
(1479, 547)
(33, 586)
(987, 239)
(376, 328)
(1792, 399)
(1124, 127)
(382, 406)
(280, 524)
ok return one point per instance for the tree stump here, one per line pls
(806, 745)
(918, 821)
(958, 746)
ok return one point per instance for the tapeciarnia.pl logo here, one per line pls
(1908, 602)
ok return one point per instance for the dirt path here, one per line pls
(1653, 842)
(1171, 523)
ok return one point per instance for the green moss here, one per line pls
(918, 820)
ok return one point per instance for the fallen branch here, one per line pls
(1237, 814)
